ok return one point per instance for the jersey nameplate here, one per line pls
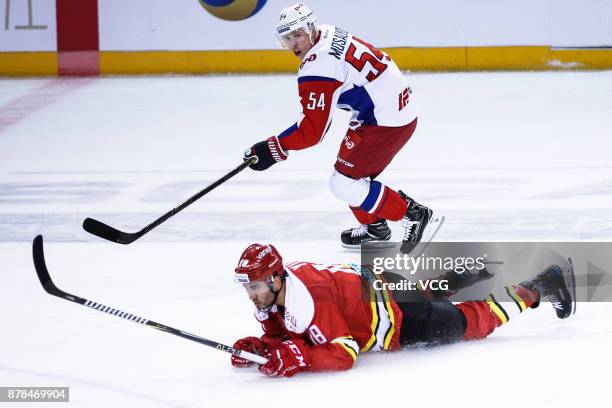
(338, 43)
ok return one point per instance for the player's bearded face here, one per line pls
(260, 294)
(298, 42)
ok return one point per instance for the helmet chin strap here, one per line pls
(314, 38)
(271, 286)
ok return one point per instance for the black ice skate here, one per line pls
(457, 281)
(556, 285)
(414, 222)
(376, 232)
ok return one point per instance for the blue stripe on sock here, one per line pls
(370, 200)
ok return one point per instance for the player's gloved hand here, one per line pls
(268, 152)
(252, 345)
(291, 357)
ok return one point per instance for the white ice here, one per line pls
(505, 156)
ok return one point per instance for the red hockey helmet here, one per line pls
(258, 262)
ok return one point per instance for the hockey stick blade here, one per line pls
(109, 233)
(47, 283)
(41, 268)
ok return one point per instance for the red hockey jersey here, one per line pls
(328, 307)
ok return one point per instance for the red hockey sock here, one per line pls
(483, 317)
(362, 216)
(480, 319)
(392, 207)
(383, 202)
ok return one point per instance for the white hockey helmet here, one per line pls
(296, 17)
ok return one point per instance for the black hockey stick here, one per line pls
(102, 230)
(50, 288)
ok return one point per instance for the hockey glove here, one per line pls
(291, 357)
(252, 345)
(268, 152)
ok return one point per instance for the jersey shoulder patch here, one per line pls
(319, 65)
(310, 58)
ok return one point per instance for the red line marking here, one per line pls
(86, 63)
(23, 107)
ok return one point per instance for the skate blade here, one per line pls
(371, 246)
(570, 282)
(431, 230)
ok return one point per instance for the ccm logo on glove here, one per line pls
(291, 357)
(298, 355)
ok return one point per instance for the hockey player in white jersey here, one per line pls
(341, 70)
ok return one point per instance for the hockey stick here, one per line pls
(105, 231)
(50, 288)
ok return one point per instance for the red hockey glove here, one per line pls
(291, 357)
(252, 345)
(268, 152)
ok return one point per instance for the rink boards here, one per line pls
(111, 37)
(273, 61)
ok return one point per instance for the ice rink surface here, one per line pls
(505, 156)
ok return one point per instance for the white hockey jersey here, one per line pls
(344, 71)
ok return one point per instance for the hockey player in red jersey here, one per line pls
(341, 70)
(316, 318)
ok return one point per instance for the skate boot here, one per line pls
(414, 222)
(558, 286)
(457, 281)
(354, 237)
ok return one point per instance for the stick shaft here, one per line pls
(49, 286)
(109, 233)
(195, 197)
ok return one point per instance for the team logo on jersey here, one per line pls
(290, 320)
(347, 142)
(233, 10)
(309, 59)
